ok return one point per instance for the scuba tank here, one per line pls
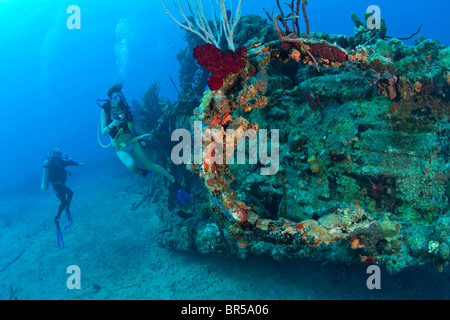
(45, 172)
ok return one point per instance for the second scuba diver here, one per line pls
(117, 121)
(55, 172)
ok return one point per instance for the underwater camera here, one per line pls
(118, 116)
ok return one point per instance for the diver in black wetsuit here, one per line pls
(57, 175)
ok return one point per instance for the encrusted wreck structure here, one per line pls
(363, 128)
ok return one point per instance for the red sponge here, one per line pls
(219, 63)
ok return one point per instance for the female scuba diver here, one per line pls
(117, 121)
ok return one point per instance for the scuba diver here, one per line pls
(117, 121)
(55, 172)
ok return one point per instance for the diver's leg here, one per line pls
(69, 194)
(139, 152)
(128, 161)
(61, 195)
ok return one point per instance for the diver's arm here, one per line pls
(74, 163)
(70, 162)
(105, 127)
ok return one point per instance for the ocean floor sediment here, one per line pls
(119, 257)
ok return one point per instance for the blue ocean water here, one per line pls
(51, 76)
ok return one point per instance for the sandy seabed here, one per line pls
(116, 250)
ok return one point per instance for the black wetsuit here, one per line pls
(58, 177)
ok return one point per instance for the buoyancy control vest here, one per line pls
(54, 170)
(123, 115)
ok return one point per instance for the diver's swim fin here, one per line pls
(59, 234)
(182, 195)
(146, 172)
(60, 238)
(69, 223)
(69, 220)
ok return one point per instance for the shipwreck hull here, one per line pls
(363, 156)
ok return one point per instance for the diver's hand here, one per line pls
(116, 123)
(81, 164)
